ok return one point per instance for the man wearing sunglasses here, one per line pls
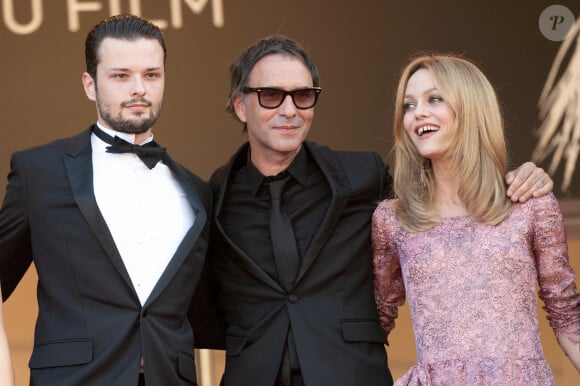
(290, 243)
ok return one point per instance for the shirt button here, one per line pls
(293, 298)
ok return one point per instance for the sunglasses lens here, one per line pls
(271, 97)
(304, 98)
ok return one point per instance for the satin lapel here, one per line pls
(332, 169)
(187, 244)
(79, 167)
(242, 258)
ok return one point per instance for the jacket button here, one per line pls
(292, 298)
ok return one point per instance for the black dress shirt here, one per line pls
(245, 212)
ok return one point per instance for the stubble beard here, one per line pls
(137, 125)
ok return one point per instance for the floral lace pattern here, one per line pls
(471, 289)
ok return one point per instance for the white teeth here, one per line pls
(426, 129)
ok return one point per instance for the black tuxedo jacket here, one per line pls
(91, 327)
(331, 308)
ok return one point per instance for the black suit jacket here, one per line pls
(91, 327)
(331, 308)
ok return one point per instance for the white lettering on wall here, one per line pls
(134, 7)
(74, 9)
(15, 26)
(196, 6)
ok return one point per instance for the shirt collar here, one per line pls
(297, 169)
(126, 136)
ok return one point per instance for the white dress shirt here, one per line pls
(145, 209)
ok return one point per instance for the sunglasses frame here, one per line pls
(258, 90)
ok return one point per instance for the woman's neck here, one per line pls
(446, 200)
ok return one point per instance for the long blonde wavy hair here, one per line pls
(478, 153)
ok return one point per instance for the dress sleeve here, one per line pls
(388, 281)
(555, 275)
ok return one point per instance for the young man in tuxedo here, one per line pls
(116, 229)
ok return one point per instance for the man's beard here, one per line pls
(130, 126)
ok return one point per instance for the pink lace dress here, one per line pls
(471, 289)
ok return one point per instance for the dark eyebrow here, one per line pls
(126, 69)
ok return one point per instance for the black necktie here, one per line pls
(150, 153)
(283, 239)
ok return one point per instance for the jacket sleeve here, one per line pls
(385, 179)
(15, 242)
(204, 313)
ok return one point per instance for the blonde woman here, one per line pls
(6, 374)
(468, 259)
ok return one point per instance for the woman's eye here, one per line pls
(435, 99)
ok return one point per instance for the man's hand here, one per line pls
(526, 181)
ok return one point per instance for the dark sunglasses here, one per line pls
(271, 97)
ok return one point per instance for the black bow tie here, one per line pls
(150, 153)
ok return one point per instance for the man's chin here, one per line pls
(134, 126)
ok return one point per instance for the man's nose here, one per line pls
(287, 108)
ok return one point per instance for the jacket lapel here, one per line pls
(330, 166)
(79, 167)
(187, 244)
(242, 257)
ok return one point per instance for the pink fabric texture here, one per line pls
(472, 288)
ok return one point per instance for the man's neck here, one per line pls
(135, 138)
(272, 163)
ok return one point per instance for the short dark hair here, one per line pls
(127, 27)
(243, 65)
